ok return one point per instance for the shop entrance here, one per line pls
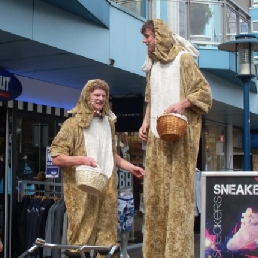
(2, 171)
(5, 181)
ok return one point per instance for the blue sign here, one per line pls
(51, 170)
(10, 86)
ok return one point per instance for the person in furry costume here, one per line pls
(174, 85)
(88, 139)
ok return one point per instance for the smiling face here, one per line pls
(149, 39)
(98, 98)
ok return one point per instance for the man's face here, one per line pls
(149, 40)
(98, 99)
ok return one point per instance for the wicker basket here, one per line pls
(171, 127)
(90, 180)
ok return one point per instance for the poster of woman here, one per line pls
(229, 226)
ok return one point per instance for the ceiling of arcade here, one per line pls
(41, 62)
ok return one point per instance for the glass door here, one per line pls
(2, 171)
(5, 181)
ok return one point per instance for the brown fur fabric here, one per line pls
(170, 168)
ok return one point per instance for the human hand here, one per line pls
(143, 131)
(89, 162)
(179, 107)
(1, 246)
(175, 108)
(137, 171)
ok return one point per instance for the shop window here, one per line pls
(215, 147)
(34, 133)
(238, 157)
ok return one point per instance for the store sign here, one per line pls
(51, 170)
(229, 218)
(10, 86)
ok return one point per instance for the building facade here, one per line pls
(54, 48)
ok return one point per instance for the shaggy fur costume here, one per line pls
(92, 219)
(170, 166)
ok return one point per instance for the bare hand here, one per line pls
(143, 132)
(175, 108)
(138, 171)
(1, 246)
(89, 162)
(179, 107)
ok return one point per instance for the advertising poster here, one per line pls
(51, 170)
(229, 220)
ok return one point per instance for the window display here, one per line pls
(215, 147)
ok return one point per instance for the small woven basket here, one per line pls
(90, 181)
(171, 127)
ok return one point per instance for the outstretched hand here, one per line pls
(138, 171)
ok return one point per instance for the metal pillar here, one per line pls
(246, 117)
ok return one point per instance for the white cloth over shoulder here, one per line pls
(187, 45)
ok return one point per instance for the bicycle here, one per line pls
(92, 250)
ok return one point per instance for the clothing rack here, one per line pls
(23, 188)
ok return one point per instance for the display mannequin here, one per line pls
(125, 203)
(27, 171)
(125, 218)
(27, 174)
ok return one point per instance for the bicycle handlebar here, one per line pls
(41, 243)
(24, 254)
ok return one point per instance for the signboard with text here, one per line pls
(51, 170)
(10, 86)
(229, 218)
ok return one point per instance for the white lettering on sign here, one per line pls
(4, 82)
(234, 189)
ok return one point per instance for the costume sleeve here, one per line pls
(196, 87)
(63, 142)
